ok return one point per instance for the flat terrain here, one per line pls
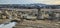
(35, 24)
(38, 24)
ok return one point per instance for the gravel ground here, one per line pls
(38, 24)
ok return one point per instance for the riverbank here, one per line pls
(38, 24)
(35, 24)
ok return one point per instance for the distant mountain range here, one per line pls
(29, 6)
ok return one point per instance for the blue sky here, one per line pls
(17, 1)
(29, 1)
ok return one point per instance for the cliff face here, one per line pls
(9, 14)
(18, 14)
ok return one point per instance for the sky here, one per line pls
(56, 2)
